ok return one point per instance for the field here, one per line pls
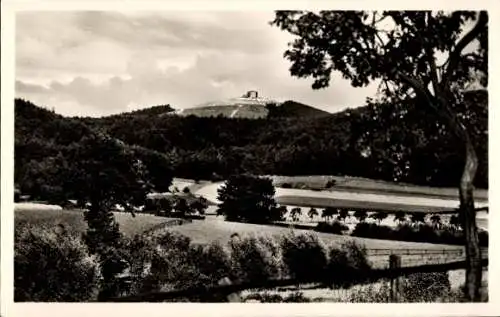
(215, 228)
(351, 199)
(74, 222)
(321, 202)
(364, 185)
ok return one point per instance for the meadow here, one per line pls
(365, 185)
(74, 222)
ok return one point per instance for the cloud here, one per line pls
(98, 63)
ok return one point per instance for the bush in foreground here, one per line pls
(304, 255)
(53, 267)
(255, 259)
(347, 265)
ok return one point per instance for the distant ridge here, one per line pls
(251, 105)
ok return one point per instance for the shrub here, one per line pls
(372, 230)
(216, 263)
(330, 183)
(296, 297)
(373, 293)
(304, 256)
(425, 287)
(335, 227)
(265, 297)
(347, 265)
(52, 267)
(253, 259)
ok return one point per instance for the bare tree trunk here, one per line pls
(468, 217)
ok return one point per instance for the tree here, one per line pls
(295, 213)
(379, 216)
(181, 206)
(400, 216)
(343, 214)
(199, 205)
(312, 213)
(329, 212)
(455, 221)
(248, 199)
(417, 218)
(102, 174)
(436, 220)
(361, 215)
(401, 50)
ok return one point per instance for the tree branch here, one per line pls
(432, 63)
(454, 57)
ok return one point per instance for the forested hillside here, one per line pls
(49, 148)
(396, 142)
(391, 142)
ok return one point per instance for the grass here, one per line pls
(211, 229)
(74, 222)
(321, 202)
(365, 185)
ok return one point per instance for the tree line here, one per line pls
(393, 141)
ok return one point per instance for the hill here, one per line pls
(402, 142)
(251, 106)
(392, 142)
(292, 108)
(45, 147)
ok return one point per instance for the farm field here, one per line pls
(216, 229)
(74, 222)
(309, 198)
(364, 185)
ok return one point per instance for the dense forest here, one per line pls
(396, 142)
(49, 149)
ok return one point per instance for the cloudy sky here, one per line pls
(100, 63)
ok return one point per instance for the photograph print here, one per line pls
(251, 156)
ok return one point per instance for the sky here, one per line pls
(95, 63)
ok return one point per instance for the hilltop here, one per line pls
(251, 106)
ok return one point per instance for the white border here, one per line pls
(8, 308)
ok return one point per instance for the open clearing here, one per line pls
(74, 222)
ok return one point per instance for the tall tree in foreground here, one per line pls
(102, 174)
(429, 56)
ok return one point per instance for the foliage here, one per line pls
(400, 216)
(296, 248)
(404, 60)
(202, 148)
(361, 215)
(267, 297)
(334, 227)
(52, 267)
(329, 212)
(425, 287)
(343, 214)
(422, 233)
(295, 213)
(379, 216)
(256, 259)
(347, 265)
(312, 213)
(248, 199)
